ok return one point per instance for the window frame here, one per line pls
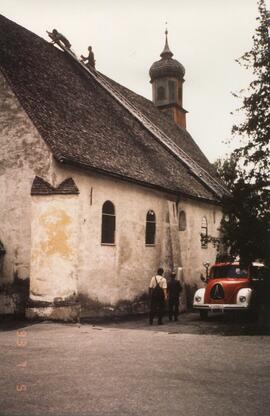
(148, 224)
(104, 218)
(204, 232)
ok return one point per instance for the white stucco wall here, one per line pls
(23, 155)
(108, 274)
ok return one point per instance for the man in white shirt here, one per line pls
(158, 295)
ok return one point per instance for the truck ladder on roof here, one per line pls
(159, 135)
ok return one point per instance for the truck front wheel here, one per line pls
(204, 315)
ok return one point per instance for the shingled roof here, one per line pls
(85, 126)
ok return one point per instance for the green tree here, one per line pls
(245, 227)
(254, 151)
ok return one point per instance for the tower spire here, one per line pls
(166, 53)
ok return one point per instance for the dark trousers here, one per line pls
(156, 309)
(173, 308)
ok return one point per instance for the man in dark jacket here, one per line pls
(174, 290)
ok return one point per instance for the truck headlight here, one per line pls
(244, 297)
(199, 297)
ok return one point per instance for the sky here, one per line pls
(206, 36)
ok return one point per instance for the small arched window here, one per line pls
(161, 93)
(182, 225)
(204, 233)
(108, 223)
(150, 231)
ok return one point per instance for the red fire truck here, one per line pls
(230, 287)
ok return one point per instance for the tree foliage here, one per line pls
(254, 151)
(245, 227)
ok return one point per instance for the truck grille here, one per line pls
(217, 292)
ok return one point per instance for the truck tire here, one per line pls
(204, 315)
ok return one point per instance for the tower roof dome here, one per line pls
(166, 66)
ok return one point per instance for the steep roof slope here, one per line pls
(178, 134)
(84, 125)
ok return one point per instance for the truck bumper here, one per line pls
(220, 307)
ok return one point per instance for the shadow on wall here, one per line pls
(2, 255)
(139, 305)
(95, 309)
(14, 297)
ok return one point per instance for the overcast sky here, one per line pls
(127, 36)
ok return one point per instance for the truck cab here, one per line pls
(231, 287)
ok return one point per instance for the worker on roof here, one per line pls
(90, 59)
(59, 39)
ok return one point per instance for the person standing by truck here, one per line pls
(174, 290)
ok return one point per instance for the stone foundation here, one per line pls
(65, 313)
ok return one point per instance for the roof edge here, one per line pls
(85, 167)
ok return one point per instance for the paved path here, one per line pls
(128, 368)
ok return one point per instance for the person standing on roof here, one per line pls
(158, 295)
(59, 38)
(90, 59)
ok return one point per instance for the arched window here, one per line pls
(150, 231)
(108, 223)
(161, 93)
(182, 225)
(204, 233)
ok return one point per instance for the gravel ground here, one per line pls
(129, 368)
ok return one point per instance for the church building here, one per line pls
(99, 185)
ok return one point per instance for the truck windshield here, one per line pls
(228, 271)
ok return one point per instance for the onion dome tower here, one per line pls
(167, 78)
